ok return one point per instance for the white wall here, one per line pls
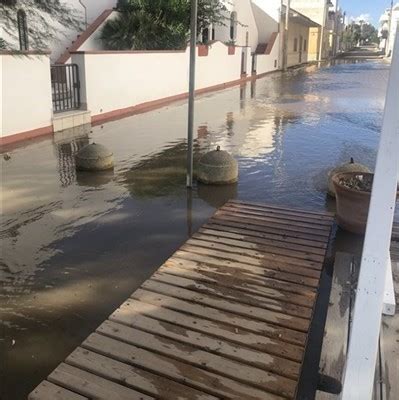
(271, 7)
(394, 28)
(93, 42)
(265, 23)
(247, 23)
(313, 9)
(26, 93)
(218, 67)
(137, 78)
(94, 7)
(64, 34)
(266, 62)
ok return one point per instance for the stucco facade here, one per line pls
(317, 11)
(55, 34)
(394, 26)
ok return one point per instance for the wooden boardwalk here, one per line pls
(226, 317)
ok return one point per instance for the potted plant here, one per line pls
(353, 193)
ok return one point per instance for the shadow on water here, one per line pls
(75, 246)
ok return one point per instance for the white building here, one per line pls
(55, 31)
(383, 30)
(393, 27)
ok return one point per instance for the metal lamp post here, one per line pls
(191, 97)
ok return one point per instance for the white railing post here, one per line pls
(363, 344)
(389, 306)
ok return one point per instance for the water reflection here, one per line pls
(67, 237)
(66, 159)
(161, 174)
(218, 195)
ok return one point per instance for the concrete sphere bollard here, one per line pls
(94, 157)
(217, 167)
(350, 166)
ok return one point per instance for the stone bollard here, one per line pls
(217, 167)
(94, 157)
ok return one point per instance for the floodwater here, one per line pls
(75, 246)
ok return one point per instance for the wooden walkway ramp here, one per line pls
(226, 317)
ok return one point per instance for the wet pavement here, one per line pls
(75, 246)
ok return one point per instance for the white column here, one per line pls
(363, 344)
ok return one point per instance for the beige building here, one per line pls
(300, 48)
(317, 11)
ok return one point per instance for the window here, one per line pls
(22, 30)
(233, 25)
(296, 44)
(305, 45)
(213, 33)
(205, 35)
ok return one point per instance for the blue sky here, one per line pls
(374, 8)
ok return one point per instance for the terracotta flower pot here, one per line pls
(231, 50)
(203, 50)
(352, 204)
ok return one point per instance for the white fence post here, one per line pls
(363, 344)
(389, 292)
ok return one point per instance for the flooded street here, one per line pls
(75, 246)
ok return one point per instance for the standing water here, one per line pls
(75, 246)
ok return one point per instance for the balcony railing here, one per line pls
(375, 289)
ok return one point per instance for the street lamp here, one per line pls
(191, 95)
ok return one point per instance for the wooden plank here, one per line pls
(269, 256)
(325, 396)
(242, 235)
(395, 232)
(301, 233)
(48, 391)
(197, 378)
(133, 377)
(256, 313)
(213, 314)
(245, 277)
(277, 365)
(277, 273)
(130, 312)
(261, 231)
(260, 248)
(199, 358)
(279, 213)
(231, 281)
(395, 251)
(308, 213)
(289, 224)
(336, 331)
(232, 294)
(91, 385)
(266, 263)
